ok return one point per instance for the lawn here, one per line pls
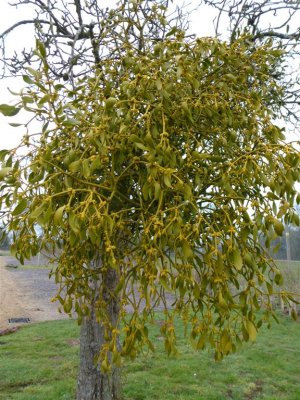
(39, 362)
(291, 271)
(291, 277)
(285, 265)
(4, 253)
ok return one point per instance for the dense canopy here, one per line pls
(156, 177)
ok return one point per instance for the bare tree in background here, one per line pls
(265, 20)
(78, 35)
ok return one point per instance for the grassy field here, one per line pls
(4, 253)
(291, 270)
(291, 278)
(292, 265)
(39, 362)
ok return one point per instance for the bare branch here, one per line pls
(78, 35)
(20, 23)
(277, 35)
(79, 11)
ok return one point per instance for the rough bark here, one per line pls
(92, 383)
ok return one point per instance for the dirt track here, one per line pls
(26, 293)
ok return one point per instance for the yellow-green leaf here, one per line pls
(4, 172)
(237, 259)
(20, 207)
(75, 166)
(278, 227)
(58, 215)
(9, 111)
(251, 329)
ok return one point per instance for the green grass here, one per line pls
(4, 253)
(293, 266)
(39, 362)
(291, 275)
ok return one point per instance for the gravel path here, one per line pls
(26, 293)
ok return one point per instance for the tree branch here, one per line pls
(274, 34)
(20, 23)
(78, 11)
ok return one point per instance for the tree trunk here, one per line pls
(92, 383)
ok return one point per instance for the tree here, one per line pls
(267, 20)
(155, 172)
(81, 34)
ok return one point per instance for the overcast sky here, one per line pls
(9, 137)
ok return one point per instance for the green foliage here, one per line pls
(167, 166)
